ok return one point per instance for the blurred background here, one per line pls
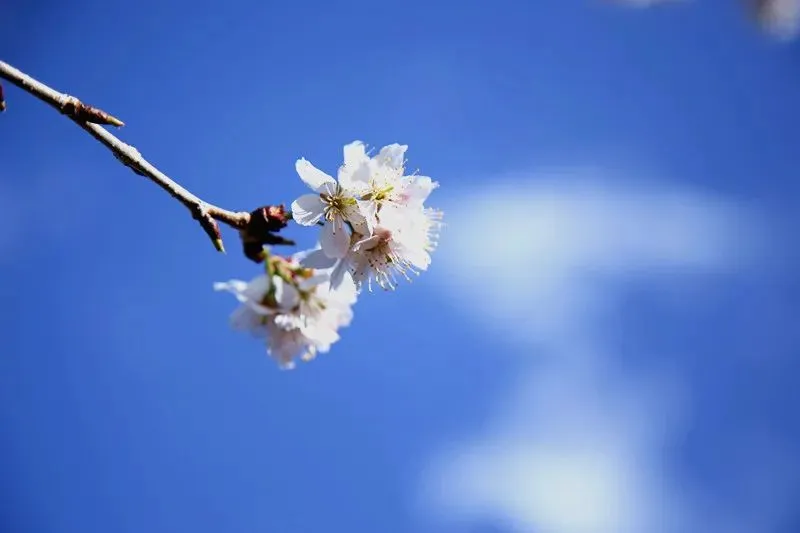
(606, 341)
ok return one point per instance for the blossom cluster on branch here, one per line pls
(376, 230)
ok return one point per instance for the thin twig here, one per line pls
(90, 119)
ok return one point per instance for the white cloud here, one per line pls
(581, 444)
(558, 245)
(566, 456)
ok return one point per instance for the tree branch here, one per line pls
(91, 119)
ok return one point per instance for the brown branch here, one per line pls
(90, 119)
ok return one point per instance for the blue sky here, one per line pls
(605, 341)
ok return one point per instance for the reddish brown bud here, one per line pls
(85, 113)
(275, 216)
(209, 225)
(261, 230)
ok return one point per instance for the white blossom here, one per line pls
(332, 201)
(292, 308)
(398, 232)
(399, 246)
(388, 185)
(376, 230)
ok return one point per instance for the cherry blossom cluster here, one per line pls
(375, 231)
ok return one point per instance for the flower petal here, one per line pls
(418, 190)
(354, 173)
(234, 286)
(317, 259)
(396, 217)
(253, 291)
(368, 243)
(392, 155)
(334, 239)
(346, 291)
(340, 275)
(308, 209)
(345, 315)
(321, 333)
(354, 154)
(286, 295)
(355, 180)
(418, 257)
(246, 319)
(288, 321)
(258, 287)
(369, 219)
(316, 279)
(314, 177)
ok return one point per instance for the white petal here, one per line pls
(354, 173)
(317, 259)
(340, 275)
(396, 217)
(344, 317)
(360, 271)
(299, 257)
(245, 292)
(283, 344)
(392, 155)
(235, 286)
(355, 154)
(334, 239)
(257, 288)
(355, 180)
(418, 190)
(418, 257)
(259, 309)
(286, 295)
(316, 279)
(346, 290)
(368, 210)
(321, 335)
(308, 209)
(287, 321)
(316, 179)
(246, 319)
(368, 243)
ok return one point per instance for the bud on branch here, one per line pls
(80, 112)
(258, 228)
(265, 222)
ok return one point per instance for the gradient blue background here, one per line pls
(128, 405)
